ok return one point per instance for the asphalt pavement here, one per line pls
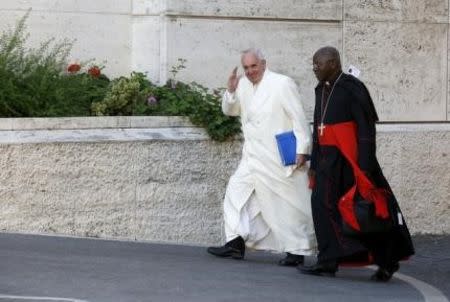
(50, 268)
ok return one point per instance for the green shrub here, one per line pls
(120, 98)
(34, 83)
(138, 96)
(38, 83)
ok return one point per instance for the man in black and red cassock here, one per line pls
(344, 168)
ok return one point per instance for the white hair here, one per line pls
(255, 51)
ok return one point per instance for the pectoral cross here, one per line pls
(323, 110)
(321, 127)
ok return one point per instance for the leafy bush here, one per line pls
(38, 83)
(136, 95)
(120, 98)
(33, 82)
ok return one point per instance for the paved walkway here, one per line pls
(43, 268)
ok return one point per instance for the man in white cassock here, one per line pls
(267, 206)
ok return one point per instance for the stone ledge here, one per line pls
(101, 135)
(413, 127)
(94, 122)
(136, 128)
(114, 122)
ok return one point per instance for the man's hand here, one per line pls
(312, 178)
(233, 81)
(300, 160)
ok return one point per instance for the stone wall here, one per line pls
(147, 181)
(400, 46)
(160, 179)
(100, 29)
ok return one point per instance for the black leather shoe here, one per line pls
(384, 274)
(319, 269)
(291, 260)
(234, 248)
(226, 251)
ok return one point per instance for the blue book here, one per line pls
(287, 146)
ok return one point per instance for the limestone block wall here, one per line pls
(160, 179)
(100, 29)
(401, 47)
(56, 180)
(156, 179)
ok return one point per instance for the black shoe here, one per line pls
(291, 260)
(384, 274)
(226, 251)
(320, 269)
(234, 249)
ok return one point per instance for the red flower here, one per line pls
(94, 71)
(73, 68)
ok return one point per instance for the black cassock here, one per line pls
(350, 101)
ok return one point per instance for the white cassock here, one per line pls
(266, 203)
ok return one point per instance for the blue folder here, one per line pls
(287, 146)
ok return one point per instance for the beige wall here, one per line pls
(400, 46)
(100, 28)
(160, 179)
